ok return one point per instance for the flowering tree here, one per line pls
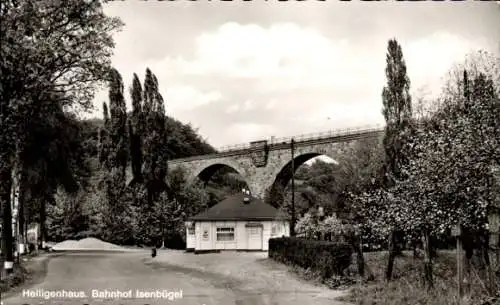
(331, 225)
(307, 225)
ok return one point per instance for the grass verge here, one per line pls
(31, 271)
(407, 287)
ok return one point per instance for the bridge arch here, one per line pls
(205, 172)
(283, 175)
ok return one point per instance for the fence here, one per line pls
(309, 136)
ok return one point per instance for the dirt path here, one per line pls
(251, 277)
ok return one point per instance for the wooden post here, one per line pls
(494, 226)
(456, 232)
(292, 148)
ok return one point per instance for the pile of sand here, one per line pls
(67, 244)
(86, 244)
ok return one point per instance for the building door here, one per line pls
(254, 238)
(206, 242)
(191, 237)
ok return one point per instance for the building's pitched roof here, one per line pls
(234, 208)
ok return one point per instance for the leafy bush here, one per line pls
(329, 258)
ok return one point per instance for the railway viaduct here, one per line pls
(267, 163)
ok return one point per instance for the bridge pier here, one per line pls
(257, 188)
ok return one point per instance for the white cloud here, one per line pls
(271, 104)
(311, 82)
(286, 56)
(294, 79)
(346, 115)
(233, 108)
(288, 53)
(430, 58)
(249, 105)
(182, 97)
(246, 106)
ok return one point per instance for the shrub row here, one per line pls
(329, 258)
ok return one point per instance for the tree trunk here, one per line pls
(25, 237)
(427, 245)
(469, 252)
(398, 249)
(497, 251)
(414, 243)
(357, 247)
(21, 215)
(392, 256)
(41, 241)
(21, 218)
(162, 233)
(5, 193)
(468, 247)
(356, 244)
(363, 269)
(488, 270)
(15, 212)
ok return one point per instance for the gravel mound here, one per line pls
(67, 244)
(94, 243)
(86, 244)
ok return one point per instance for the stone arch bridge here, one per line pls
(264, 164)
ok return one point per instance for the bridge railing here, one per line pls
(308, 136)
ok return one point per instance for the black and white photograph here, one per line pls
(249, 152)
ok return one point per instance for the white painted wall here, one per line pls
(281, 228)
(208, 241)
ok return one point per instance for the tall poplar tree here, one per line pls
(397, 111)
(118, 127)
(104, 141)
(115, 144)
(136, 129)
(154, 143)
(149, 156)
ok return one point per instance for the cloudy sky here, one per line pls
(242, 71)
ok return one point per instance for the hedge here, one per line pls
(329, 258)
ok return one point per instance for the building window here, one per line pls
(225, 234)
(191, 230)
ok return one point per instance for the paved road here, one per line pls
(86, 275)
